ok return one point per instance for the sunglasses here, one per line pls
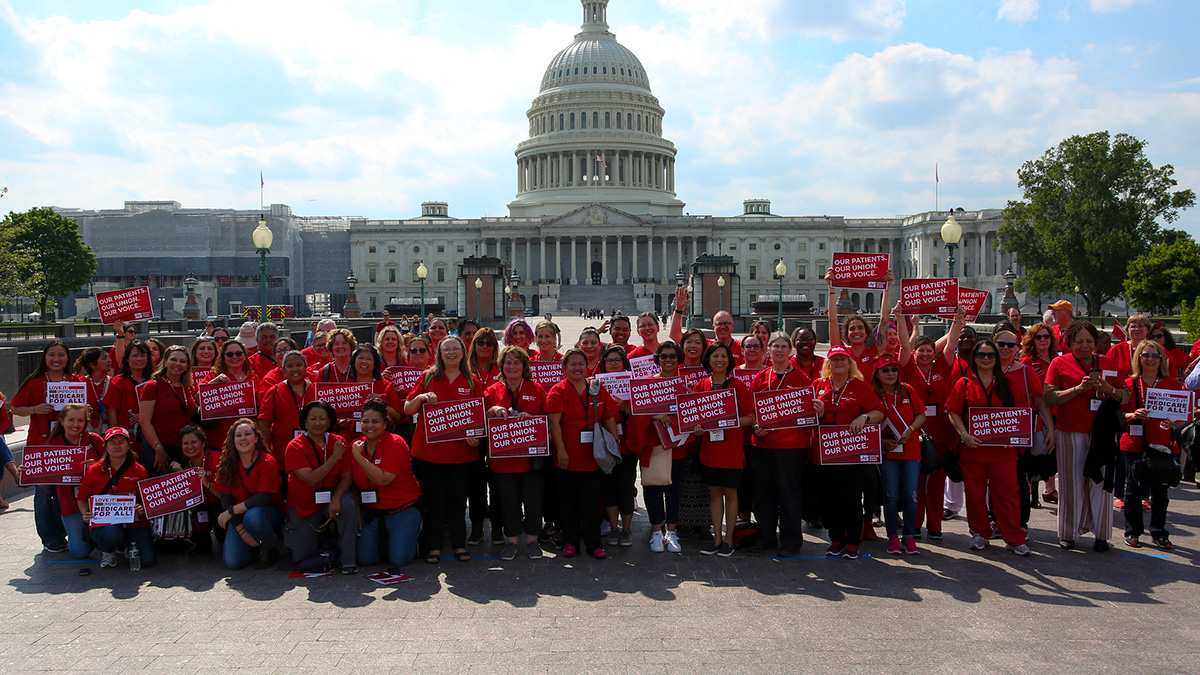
(221, 339)
(1157, 336)
(1007, 345)
(481, 343)
(985, 355)
(418, 351)
(1042, 336)
(1149, 355)
(131, 331)
(234, 355)
(665, 355)
(889, 369)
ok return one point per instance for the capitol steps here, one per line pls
(572, 298)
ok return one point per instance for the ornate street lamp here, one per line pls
(351, 310)
(262, 238)
(422, 272)
(780, 271)
(720, 293)
(507, 292)
(951, 234)
(478, 288)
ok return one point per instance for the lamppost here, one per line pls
(691, 292)
(351, 309)
(422, 272)
(191, 307)
(262, 238)
(720, 293)
(507, 291)
(162, 313)
(478, 288)
(780, 271)
(951, 234)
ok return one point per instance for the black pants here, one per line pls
(842, 488)
(746, 487)
(1024, 494)
(579, 507)
(620, 489)
(662, 501)
(779, 495)
(445, 502)
(813, 509)
(1135, 524)
(517, 489)
(872, 491)
(480, 480)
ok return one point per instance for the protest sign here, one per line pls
(202, 375)
(385, 579)
(1167, 404)
(509, 437)
(130, 304)
(59, 394)
(546, 373)
(403, 378)
(785, 408)
(453, 421)
(644, 367)
(616, 384)
(840, 446)
(668, 436)
(746, 374)
(655, 395)
(1001, 427)
(171, 493)
(710, 410)
(227, 400)
(972, 302)
(691, 375)
(347, 399)
(113, 509)
(929, 296)
(52, 465)
(860, 270)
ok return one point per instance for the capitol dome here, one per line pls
(595, 132)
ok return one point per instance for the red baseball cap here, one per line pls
(886, 360)
(117, 431)
(839, 351)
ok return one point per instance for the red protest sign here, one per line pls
(1001, 426)
(546, 373)
(347, 399)
(840, 446)
(972, 302)
(227, 400)
(403, 378)
(453, 421)
(171, 493)
(691, 375)
(710, 410)
(655, 395)
(510, 437)
(785, 408)
(202, 375)
(929, 296)
(746, 374)
(668, 436)
(860, 270)
(52, 465)
(644, 367)
(130, 304)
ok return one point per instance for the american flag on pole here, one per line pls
(261, 182)
(601, 160)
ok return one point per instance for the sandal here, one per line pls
(433, 557)
(462, 556)
(1050, 497)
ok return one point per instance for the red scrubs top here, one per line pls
(97, 477)
(901, 411)
(727, 453)
(280, 409)
(578, 415)
(531, 398)
(969, 393)
(391, 455)
(34, 394)
(449, 452)
(262, 476)
(1075, 415)
(767, 380)
(933, 388)
(843, 405)
(174, 409)
(304, 453)
(122, 397)
(1152, 431)
(68, 494)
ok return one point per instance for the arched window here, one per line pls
(628, 120)
(582, 120)
(595, 120)
(618, 120)
(572, 120)
(593, 70)
(607, 121)
(604, 70)
(622, 72)
(576, 70)
(639, 123)
(560, 121)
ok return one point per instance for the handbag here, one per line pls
(658, 473)
(605, 448)
(931, 461)
(1157, 467)
(1039, 444)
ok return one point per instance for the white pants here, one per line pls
(954, 496)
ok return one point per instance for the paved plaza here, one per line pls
(948, 610)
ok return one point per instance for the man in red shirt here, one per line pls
(263, 362)
(385, 322)
(1064, 314)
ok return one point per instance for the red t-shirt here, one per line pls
(866, 360)
(843, 405)
(273, 378)
(1178, 360)
(1026, 386)
(531, 398)
(1152, 432)
(122, 396)
(312, 358)
(447, 452)
(262, 476)
(933, 388)
(352, 430)
(174, 408)
(391, 455)
(262, 364)
(304, 453)
(67, 494)
(34, 394)
(281, 411)
(969, 393)
(557, 357)
(578, 415)
(97, 477)
(95, 396)
(1075, 415)
(901, 411)
(768, 380)
(1039, 366)
(486, 378)
(635, 352)
(727, 453)
(812, 370)
(1122, 354)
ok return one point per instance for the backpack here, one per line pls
(1157, 467)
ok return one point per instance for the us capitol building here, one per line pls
(596, 222)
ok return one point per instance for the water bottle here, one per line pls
(135, 558)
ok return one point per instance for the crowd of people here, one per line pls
(301, 479)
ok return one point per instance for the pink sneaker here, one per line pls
(569, 551)
(910, 546)
(893, 545)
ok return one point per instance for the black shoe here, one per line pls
(1163, 542)
(267, 558)
(1100, 546)
(349, 569)
(935, 535)
(55, 546)
(1066, 544)
(725, 551)
(476, 537)
(710, 549)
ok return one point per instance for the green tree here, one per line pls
(1166, 275)
(19, 271)
(59, 253)
(1189, 319)
(1092, 204)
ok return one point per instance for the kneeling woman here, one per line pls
(382, 471)
(118, 474)
(319, 487)
(248, 481)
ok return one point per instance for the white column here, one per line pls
(574, 264)
(666, 271)
(604, 261)
(620, 263)
(542, 254)
(633, 275)
(558, 266)
(528, 258)
(679, 252)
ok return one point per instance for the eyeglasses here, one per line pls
(723, 323)
(1007, 345)
(1138, 326)
(614, 362)
(1042, 336)
(234, 355)
(451, 350)
(748, 347)
(780, 347)
(985, 355)
(418, 351)
(1151, 355)
(666, 355)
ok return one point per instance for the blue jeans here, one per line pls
(5, 453)
(109, 538)
(900, 490)
(400, 529)
(262, 522)
(79, 543)
(47, 516)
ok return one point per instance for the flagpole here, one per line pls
(935, 186)
(262, 184)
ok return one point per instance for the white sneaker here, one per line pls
(1020, 549)
(108, 559)
(672, 540)
(656, 542)
(978, 543)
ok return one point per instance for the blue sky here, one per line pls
(369, 107)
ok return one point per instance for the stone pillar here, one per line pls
(620, 263)
(574, 264)
(603, 261)
(558, 266)
(542, 253)
(528, 259)
(633, 273)
(679, 251)
(666, 271)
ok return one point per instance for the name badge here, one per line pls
(620, 429)
(1094, 404)
(358, 427)
(1108, 373)
(586, 436)
(297, 433)
(716, 436)
(369, 497)
(322, 496)
(202, 516)
(931, 411)
(1137, 430)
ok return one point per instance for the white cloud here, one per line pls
(1111, 5)
(767, 19)
(1018, 11)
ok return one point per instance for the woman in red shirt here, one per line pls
(546, 337)
(901, 440)
(390, 345)
(193, 442)
(722, 458)
(30, 402)
(620, 486)
(118, 474)
(844, 399)
(368, 369)
(1038, 349)
(754, 355)
(275, 375)
(318, 476)
(693, 344)
(438, 332)
(590, 345)
(517, 483)
(341, 348)
(121, 403)
(647, 329)
(662, 501)
(443, 468)
(252, 512)
(204, 357)
(1138, 327)
(517, 334)
(282, 405)
(856, 330)
(382, 471)
(574, 408)
(70, 431)
(92, 367)
(1150, 370)
(420, 352)
(1026, 386)
(166, 407)
(232, 366)
(1076, 384)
